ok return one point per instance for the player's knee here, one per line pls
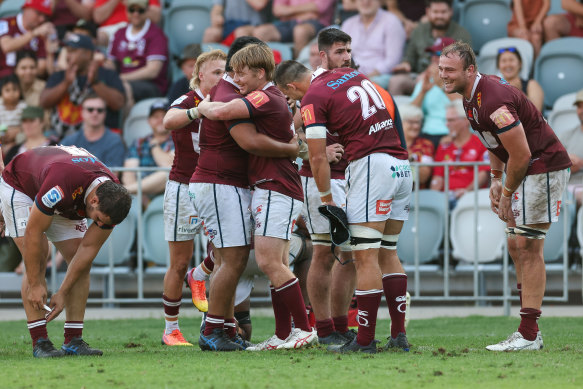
(389, 242)
(321, 240)
(364, 238)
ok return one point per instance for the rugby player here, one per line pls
(181, 221)
(344, 102)
(521, 143)
(46, 194)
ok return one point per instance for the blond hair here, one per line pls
(213, 55)
(255, 56)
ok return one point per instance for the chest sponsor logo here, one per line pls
(308, 115)
(53, 196)
(84, 159)
(334, 84)
(77, 192)
(479, 99)
(502, 117)
(257, 98)
(504, 82)
(383, 207)
(384, 125)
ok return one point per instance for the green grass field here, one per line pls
(447, 352)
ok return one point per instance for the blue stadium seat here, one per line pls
(491, 235)
(485, 20)
(155, 246)
(214, 46)
(489, 52)
(554, 241)
(185, 22)
(10, 8)
(431, 222)
(558, 68)
(285, 49)
(556, 8)
(136, 124)
(563, 117)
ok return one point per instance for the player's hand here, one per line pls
(403, 67)
(495, 194)
(203, 105)
(334, 152)
(57, 305)
(44, 29)
(536, 27)
(297, 143)
(92, 71)
(505, 209)
(37, 296)
(291, 104)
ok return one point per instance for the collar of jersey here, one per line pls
(136, 37)
(478, 78)
(268, 85)
(229, 79)
(20, 24)
(316, 73)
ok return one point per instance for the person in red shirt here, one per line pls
(521, 143)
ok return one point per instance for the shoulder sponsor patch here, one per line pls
(3, 27)
(502, 117)
(53, 196)
(179, 100)
(308, 115)
(257, 98)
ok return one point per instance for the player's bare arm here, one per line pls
(176, 119)
(253, 142)
(80, 264)
(320, 168)
(216, 110)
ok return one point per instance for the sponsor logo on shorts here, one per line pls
(258, 209)
(257, 98)
(53, 196)
(186, 229)
(77, 192)
(21, 222)
(81, 227)
(558, 207)
(383, 207)
(384, 125)
(193, 220)
(210, 232)
(400, 171)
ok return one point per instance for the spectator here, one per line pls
(568, 24)
(527, 21)
(11, 104)
(419, 149)
(509, 63)
(572, 139)
(33, 131)
(82, 27)
(299, 21)
(66, 89)
(231, 19)
(440, 24)
(463, 146)
(186, 63)
(68, 12)
(140, 52)
(378, 39)
(27, 30)
(27, 72)
(409, 12)
(430, 97)
(94, 136)
(111, 15)
(154, 150)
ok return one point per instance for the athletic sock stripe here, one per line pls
(67, 325)
(172, 304)
(35, 324)
(170, 316)
(394, 274)
(367, 292)
(214, 321)
(286, 286)
(230, 325)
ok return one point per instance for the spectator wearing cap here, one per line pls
(82, 27)
(428, 95)
(154, 150)
(231, 19)
(572, 139)
(378, 40)
(27, 30)
(440, 24)
(33, 132)
(186, 63)
(66, 89)
(95, 136)
(140, 53)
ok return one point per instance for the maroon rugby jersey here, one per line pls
(13, 27)
(347, 103)
(271, 115)
(57, 178)
(221, 160)
(185, 139)
(496, 107)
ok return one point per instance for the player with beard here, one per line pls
(222, 175)
(521, 143)
(345, 102)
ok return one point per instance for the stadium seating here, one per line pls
(563, 117)
(554, 241)
(402, 100)
(485, 20)
(214, 46)
(430, 229)
(556, 8)
(155, 246)
(489, 52)
(136, 124)
(490, 229)
(10, 8)
(285, 49)
(185, 22)
(558, 68)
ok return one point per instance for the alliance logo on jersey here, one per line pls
(53, 196)
(384, 125)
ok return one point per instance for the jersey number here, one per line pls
(365, 92)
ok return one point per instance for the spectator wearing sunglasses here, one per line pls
(567, 24)
(95, 137)
(509, 63)
(527, 21)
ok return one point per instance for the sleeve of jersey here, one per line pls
(48, 196)
(505, 118)
(258, 104)
(183, 102)
(314, 117)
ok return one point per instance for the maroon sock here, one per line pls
(519, 287)
(37, 329)
(528, 323)
(395, 288)
(212, 322)
(368, 302)
(171, 307)
(325, 327)
(209, 264)
(230, 327)
(291, 295)
(341, 323)
(73, 329)
(282, 316)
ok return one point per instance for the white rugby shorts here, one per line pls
(378, 188)
(274, 214)
(16, 208)
(224, 210)
(181, 221)
(538, 198)
(316, 223)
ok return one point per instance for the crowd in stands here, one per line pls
(71, 70)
